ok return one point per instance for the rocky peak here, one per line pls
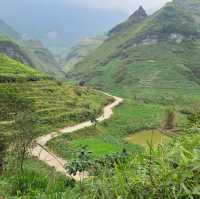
(139, 15)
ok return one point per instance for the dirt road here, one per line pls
(40, 151)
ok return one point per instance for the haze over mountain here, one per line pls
(5, 29)
(55, 23)
(63, 23)
(29, 52)
(82, 50)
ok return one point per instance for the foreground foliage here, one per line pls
(169, 171)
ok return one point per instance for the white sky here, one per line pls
(127, 6)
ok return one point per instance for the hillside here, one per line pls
(71, 140)
(27, 52)
(38, 58)
(42, 58)
(14, 51)
(156, 58)
(11, 70)
(82, 50)
(138, 16)
(57, 104)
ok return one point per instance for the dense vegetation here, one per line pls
(169, 171)
(57, 104)
(11, 70)
(81, 50)
(153, 60)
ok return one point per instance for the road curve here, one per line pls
(40, 151)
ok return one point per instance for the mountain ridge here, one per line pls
(138, 16)
(158, 53)
(31, 52)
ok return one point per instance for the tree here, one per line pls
(194, 116)
(2, 151)
(82, 83)
(80, 164)
(170, 121)
(25, 124)
(93, 119)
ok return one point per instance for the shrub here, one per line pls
(170, 119)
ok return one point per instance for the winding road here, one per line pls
(40, 151)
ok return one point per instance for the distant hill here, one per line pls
(42, 58)
(58, 24)
(31, 52)
(81, 50)
(157, 57)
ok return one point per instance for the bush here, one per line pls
(170, 121)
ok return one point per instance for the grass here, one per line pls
(144, 174)
(84, 48)
(151, 78)
(12, 69)
(39, 179)
(165, 71)
(161, 73)
(56, 103)
(152, 174)
(98, 147)
(111, 135)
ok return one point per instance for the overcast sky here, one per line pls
(127, 6)
(71, 19)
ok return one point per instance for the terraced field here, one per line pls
(57, 104)
(11, 70)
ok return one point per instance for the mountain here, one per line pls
(14, 51)
(155, 58)
(82, 50)
(138, 16)
(42, 58)
(27, 53)
(30, 52)
(58, 24)
(11, 70)
(56, 102)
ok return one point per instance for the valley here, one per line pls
(50, 158)
(64, 133)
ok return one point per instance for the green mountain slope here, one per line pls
(57, 104)
(138, 16)
(14, 51)
(82, 50)
(42, 58)
(27, 52)
(11, 70)
(156, 58)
